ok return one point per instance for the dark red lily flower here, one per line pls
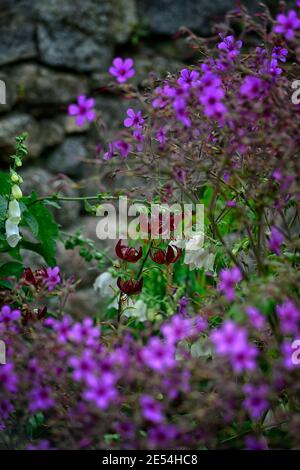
(35, 278)
(28, 277)
(161, 224)
(127, 253)
(168, 256)
(130, 287)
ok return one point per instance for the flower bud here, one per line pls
(14, 211)
(12, 233)
(18, 162)
(14, 177)
(16, 192)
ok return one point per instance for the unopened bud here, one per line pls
(14, 211)
(16, 192)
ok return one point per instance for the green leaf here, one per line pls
(3, 207)
(31, 222)
(47, 232)
(49, 202)
(11, 269)
(4, 184)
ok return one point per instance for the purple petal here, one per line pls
(73, 109)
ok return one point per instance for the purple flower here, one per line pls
(244, 358)
(256, 402)
(228, 279)
(83, 366)
(152, 410)
(256, 443)
(85, 332)
(133, 119)
(229, 338)
(255, 317)
(158, 356)
(140, 138)
(40, 399)
(188, 78)
(232, 341)
(280, 53)
(200, 324)
(122, 69)
(61, 327)
(161, 98)
(275, 240)
(83, 110)
(287, 24)
(161, 436)
(8, 315)
(41, 445)
(123, 148)
(289, 316)
(209, 80)
(182, 310)
(110, 152)
(211, 98)
(230, 46)
(161, 136)
(6, 408)
(101, 391)
(8, 378)
(177, 329)
(252, 87)
(53, 278)
(181, 111)
(271, 68)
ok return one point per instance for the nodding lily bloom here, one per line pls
(127, 253)
(160, 224)
(130, 287)
(168, 256)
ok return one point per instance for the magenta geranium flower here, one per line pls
(188, 78)
(287, 24)
(8, 315)
(152, 409)
(124, 148)
(256, 402)
(228, 279)
(252, 87)
(133, 119)
(275, 241)
(289, 316)
(122, 69)
(53, 278)
(83, 110)
(230, 46)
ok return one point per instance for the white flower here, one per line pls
(200, 259)
(12, 233)
(14, 211)
(136, 310)
(195, 243)
(105, 284)
(16, 192)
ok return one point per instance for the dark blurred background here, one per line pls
(53, 50)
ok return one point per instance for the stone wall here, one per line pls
(53, 50)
